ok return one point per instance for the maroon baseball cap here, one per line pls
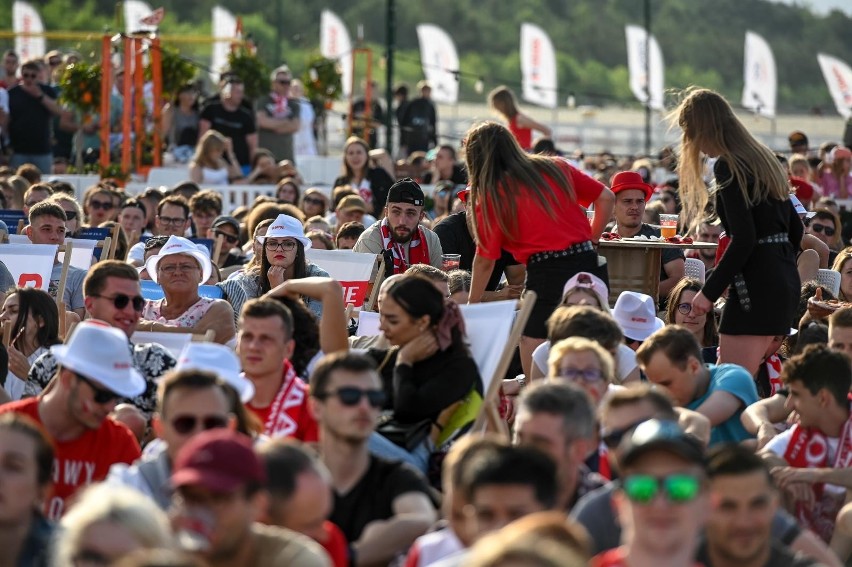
(219, 460)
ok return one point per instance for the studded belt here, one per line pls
(574, 249)
(780, 238)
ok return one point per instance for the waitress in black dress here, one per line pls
(752, 200)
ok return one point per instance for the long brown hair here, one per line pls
(710, 337)
(500, 171)
(347, 170)
(503, 101)
(708, 121)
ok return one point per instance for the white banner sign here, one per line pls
(644, 58)
(29, 264)
(134, 12)
(760, 79)
(224, 26)
(335, 44)
(440, 63)
(25, 20)
(838, 77)
(538, 66)
(351, 269)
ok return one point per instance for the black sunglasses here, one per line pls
(70, 215)
(29, 75)
(614, 437)
(231, 239)
(184, 424)
(121, 300)
(351, 396)
(283, 81)
(819, 228)
(312, 201)
(101, 395)
(101, 205)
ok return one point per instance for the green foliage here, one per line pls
(80, 86)
(322, 79)
(702, 42)
(176, 71)
(249, 68)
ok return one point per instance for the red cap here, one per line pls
(804, 189)
(219, 460)
(624, 180)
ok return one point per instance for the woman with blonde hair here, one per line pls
(372, 183)
(108, 522)
(209, 166)
(584, 363)
(752, 201)
(842, 265)
(520, 125)
(553, 238)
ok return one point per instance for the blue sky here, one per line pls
(821, 6)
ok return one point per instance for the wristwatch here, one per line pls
(521, 380)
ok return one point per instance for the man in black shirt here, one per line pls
(456, 239)
(381, 506)
(361, 123)
(228, 116)
(32, 106)
(419, 121)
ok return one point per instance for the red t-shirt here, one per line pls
(522, 135)
(335, 545)
(292, 415)
(82, 461)
(536, 230)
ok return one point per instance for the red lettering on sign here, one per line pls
(30, 280)
(354, 293)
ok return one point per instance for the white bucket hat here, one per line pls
(101, 353)
(221, 361)
(286, 226)
(635, 313)
(180, 245)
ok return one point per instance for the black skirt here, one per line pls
(547, 279)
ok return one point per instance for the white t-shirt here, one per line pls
(780, 442)
(625, 360)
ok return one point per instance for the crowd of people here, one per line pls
(709, 425)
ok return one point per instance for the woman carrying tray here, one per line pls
(752, 201)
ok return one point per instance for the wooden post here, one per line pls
(138, 101)
(127, 104)
(106, 91)
(157, 78)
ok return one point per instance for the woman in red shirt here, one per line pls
(532, 207)
(520, 125)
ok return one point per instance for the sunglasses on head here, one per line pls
(184, 424)
(101, 395)
(821, 228)
(613, 438)
(314, 201)
(351, 396)
(677, 488)
(70, 215)
(101, 205)
(121, 300)
(229, 238)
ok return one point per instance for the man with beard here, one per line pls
(399, 235)
(381, 506)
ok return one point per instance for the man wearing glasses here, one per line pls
(381, 506)
(32, 106)
(113, 296)
(95, 371)
(228, 229)
(172, 220)
(278, 116)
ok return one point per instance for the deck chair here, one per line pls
(108, 238)
(173, 340)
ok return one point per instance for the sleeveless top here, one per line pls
(188, 318)
(214, 176)
(522, 135)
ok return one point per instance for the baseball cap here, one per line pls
(221, 361)
(660, 435)
(352, 203)
(406, 191)
(585, 280)
(225, 219)
(219, 460)
(101, 353)
(635, 313)
(797, 138)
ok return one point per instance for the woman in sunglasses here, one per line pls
(679, 312)
(314, 203)
(428, 375)
(35, 328)
(73, 211)
(279, 256)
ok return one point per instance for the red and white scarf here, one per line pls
(290, 395)
(773, 371)
(281, 107)
(418, 250)
(808, 448)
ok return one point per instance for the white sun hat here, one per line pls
(180, 245)
(221, 361)
(635, 313)
(286, 226)
(101, 353)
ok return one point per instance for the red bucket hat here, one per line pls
(624, 180)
